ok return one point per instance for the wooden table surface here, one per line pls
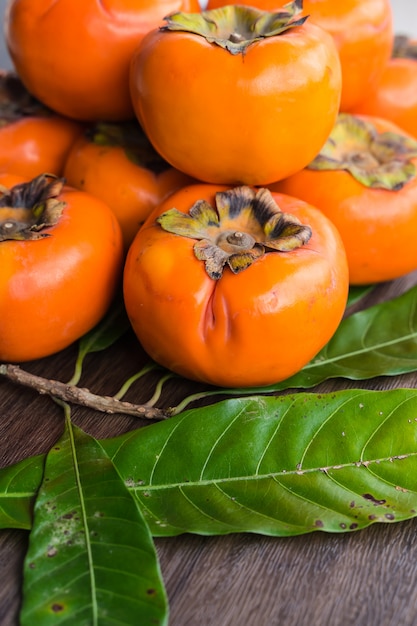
(365, 578)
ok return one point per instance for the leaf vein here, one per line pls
(284, 472)
(346, 355)
(272, 437)
(213, 447)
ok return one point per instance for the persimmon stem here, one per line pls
(205, 394)
(126, 386)
(78, 370)
(158, 388)
(77, 395)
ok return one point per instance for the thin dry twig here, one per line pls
(79, 395)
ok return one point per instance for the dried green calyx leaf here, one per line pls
(29, 208)
(128, 136)
(16, 102)
(235, 27)
(377, 160)
(404, 47)
(244, 225)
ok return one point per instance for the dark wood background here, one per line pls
(365, 578)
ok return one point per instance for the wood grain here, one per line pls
(367, 578)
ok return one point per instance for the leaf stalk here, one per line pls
(81, 396)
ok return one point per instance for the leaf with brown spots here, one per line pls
(91, 559)
(281, 466)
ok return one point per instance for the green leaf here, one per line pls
(18, 486)
(91, 559)
(106, 332)
(277, 465)
(357, 292)
(102, 336)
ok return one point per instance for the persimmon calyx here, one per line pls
(235, 27)
(130, 137)
(16, 102)
(244, 225)
(27, 209)
(378, 160)
(404, 47)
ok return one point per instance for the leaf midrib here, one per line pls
(284, 473)
(85, 524)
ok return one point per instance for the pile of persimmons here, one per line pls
(235, 168)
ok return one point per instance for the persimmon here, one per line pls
(74, 56)
(362, 31)
(364, 180)
(33, 139)
(235, 286)
(237, 95)
(116, 162)
(9, 179)
(61, 260)
(395, 96)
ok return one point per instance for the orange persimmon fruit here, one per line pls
(364, 180)
(395, 96)
(237, 95)
(235, 286)
(61, 258)
(74, 55)
(362, 31)
(33, 139)
(116, 162)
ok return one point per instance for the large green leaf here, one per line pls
(18, 486)
(281, 466)
(277, 465)
(91, 560)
